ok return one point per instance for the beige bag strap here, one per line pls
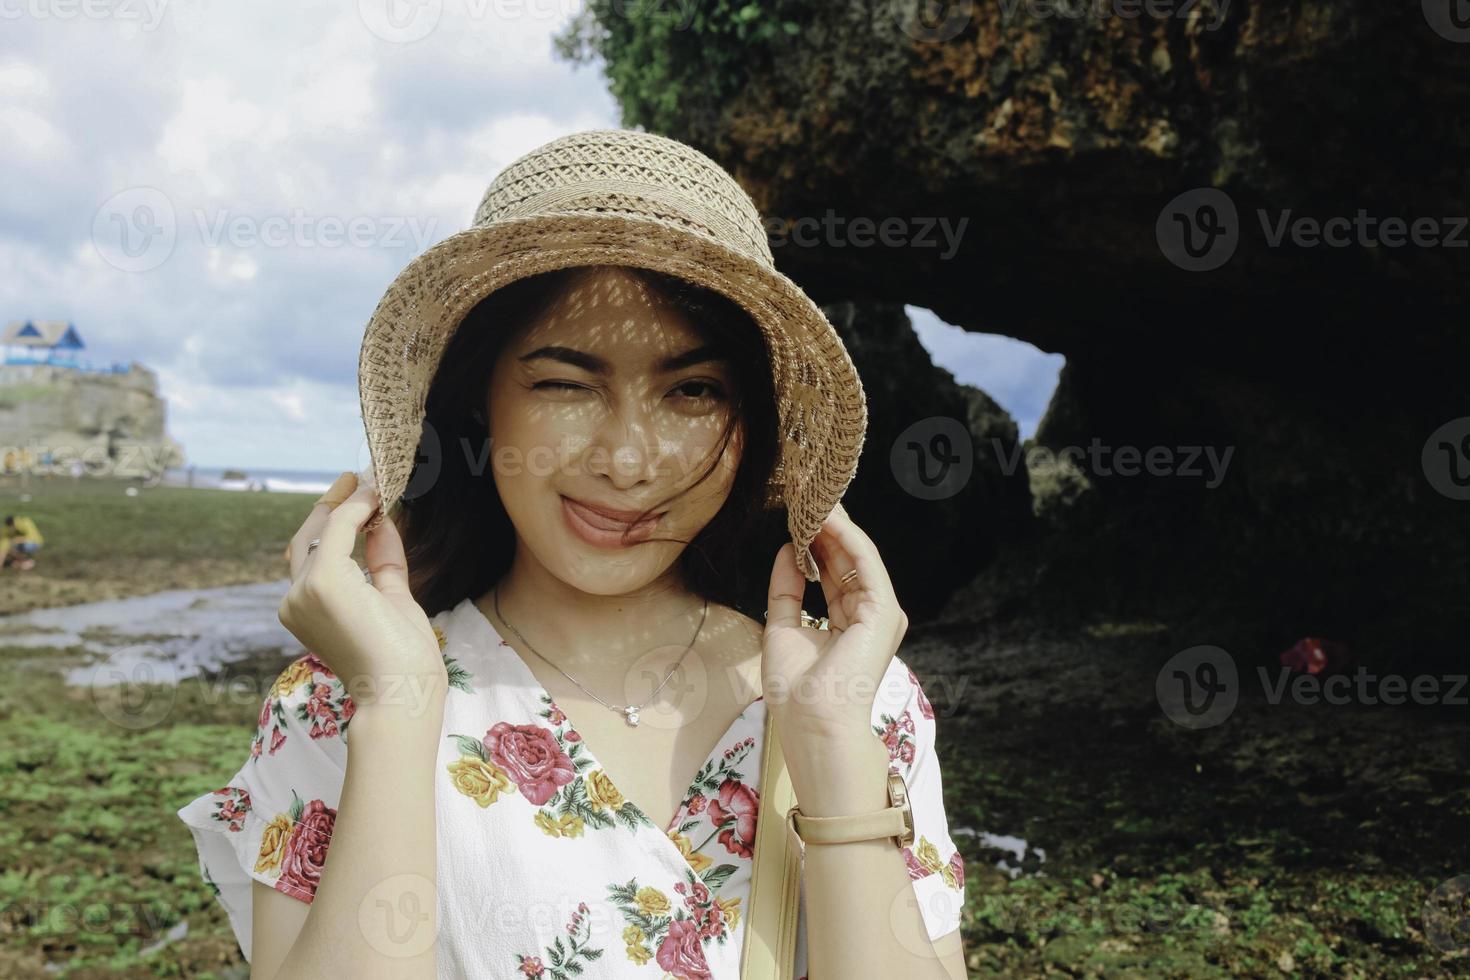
(769, 951)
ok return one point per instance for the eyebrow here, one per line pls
(597, 365)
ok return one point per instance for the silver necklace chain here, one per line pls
(629, 711)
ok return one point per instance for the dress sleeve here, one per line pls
(904, 720)
(272, 821)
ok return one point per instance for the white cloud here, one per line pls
(260, 112)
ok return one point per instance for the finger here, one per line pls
(853, 542)
(788, 589)
(830, 572)
(385, 559)
(845, 547)
(339, 534)
(296, 552)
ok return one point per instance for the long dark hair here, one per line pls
(458, 539)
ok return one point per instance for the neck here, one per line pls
(589, 634)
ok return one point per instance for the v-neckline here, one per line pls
(539, 692)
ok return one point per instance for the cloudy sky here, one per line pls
(222, 191)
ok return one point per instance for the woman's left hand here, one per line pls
(821, 684)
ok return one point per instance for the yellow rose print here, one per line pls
(640, 954)
(731, 909)
(571, 826)
(928, 855)
(273, 844)
(602, 792)
(481, 781)
(696, 860)
(291, 678)
(651, 901)
(548, 823)
(439, 635)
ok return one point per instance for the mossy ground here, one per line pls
(1292, 840)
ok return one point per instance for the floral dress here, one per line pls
(545, 870)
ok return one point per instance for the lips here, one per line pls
(607, 518)
(593, 524)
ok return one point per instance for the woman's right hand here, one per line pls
(372, 635)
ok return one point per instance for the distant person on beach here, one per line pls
(19, 541)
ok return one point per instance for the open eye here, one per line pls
(700, 389)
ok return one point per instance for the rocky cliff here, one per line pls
(113, 423)
(1243, 224)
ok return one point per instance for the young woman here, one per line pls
(553, 681)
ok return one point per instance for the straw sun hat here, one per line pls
(620, 197)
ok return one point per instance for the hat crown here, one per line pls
(642, 175)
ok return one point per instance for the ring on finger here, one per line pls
(312, 545)
(848, 577)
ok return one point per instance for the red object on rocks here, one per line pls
(1314, 655)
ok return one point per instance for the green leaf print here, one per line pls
(458, 676)
(471, 746)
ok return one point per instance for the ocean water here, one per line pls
(279, 481)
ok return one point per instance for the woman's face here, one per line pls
(608, 402)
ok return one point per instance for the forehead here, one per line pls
(613, 314)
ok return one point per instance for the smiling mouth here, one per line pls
(600, 529)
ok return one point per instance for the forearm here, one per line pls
(375, 911)
(862, 916)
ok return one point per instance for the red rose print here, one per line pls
(681, 953)
(925, 708)
(277, 739)
(916, 870)
(531, 966)
(317, 667)
(906, 752)
(232, 810)
(740, 803)
(906, 722)
(697, 802)
(530, 755)
(306, 851)
(265, 713)
(957, 863)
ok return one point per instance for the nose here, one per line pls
(626, 445)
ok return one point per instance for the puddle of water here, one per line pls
(159, 638)
(179, 931)
(1019, 858)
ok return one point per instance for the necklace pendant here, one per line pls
(631, 712)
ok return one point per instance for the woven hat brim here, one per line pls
(821, 403)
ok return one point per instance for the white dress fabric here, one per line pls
(544, 869)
